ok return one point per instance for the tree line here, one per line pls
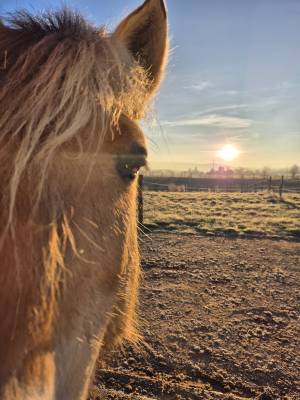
(292, 172)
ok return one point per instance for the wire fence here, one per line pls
(240, 185)
(279, 187)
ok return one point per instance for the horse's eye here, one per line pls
(129, 166)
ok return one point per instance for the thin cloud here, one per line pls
(200, 86)
(260, 104)
(224, 108)
(229, 92)
(214, 120)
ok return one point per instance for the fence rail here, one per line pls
(221, 185)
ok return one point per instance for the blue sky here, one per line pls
(233, 77)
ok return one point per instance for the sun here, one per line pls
(228, 152)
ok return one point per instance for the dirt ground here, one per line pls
(221, 320)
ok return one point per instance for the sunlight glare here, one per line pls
(228, 152)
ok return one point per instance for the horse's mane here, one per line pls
(61, 81)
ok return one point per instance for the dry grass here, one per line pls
(234, 214)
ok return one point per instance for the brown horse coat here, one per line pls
(70, 148)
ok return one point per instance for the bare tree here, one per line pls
(294, 171)
(266, 172)
(240, 171)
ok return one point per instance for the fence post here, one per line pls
(281, 188)
(270, 184)
(140, 200)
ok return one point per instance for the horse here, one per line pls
(71, 147)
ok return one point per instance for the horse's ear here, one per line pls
(144, 33)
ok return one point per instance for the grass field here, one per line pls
(231, 214)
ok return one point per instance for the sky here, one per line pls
(233, 78)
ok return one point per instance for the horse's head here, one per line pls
(71, 96)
